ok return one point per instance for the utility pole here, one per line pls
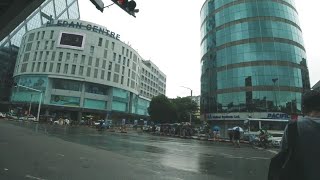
(191, 99)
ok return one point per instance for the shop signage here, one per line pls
(81, 25)
(244, 116)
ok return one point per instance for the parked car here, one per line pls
(3, 115)
(31, 118)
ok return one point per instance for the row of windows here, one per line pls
(256, 101)
(78, 70)
(260, 8)
(254, 52)
(40, 35)
(214, 5)
(147, 94)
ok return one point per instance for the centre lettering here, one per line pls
(88, 27)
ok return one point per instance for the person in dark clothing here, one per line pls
(230, 134)
(237, 137)
(305, 163)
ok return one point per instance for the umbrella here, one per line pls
(240, 129)
(216, 128)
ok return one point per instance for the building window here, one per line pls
(52, 44)
(53, 56)
(97, 62)
(102, 74)
(73, 69)
(75, 58)
(130, 54)
(38, 67)
(26, 57)
(123, 69)
(81, 70)
(38, 34)
(127, 53)
(44, 67)
(122, 79)
(109, 76)
(90, 61)
(60, 56)
(122, 50)
(107, 44)
(40, 58)
(42, 36)
(105, 54)
(23, 68)
(35, 56)
(100, 42)
(128, 62)
(95, 74)
(51, 34)
(104, 64)
(66, 66)
(112, 46)
(115, 78)
(46, 45)
(129, 73)
(91, 50)
(83, 57)
(128, 82)
(110, 66)
(117, 68)
(124, 61)
(58, 68)
(114, 56)
(88, 72)
(38, 45)
(31, 37)
(32, 67)
(68, 56)
(46, 56)
(119, 59)
(51, 67)
(28, 47)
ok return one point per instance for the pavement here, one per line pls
(42, 151)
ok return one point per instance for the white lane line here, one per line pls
(272, 151)
(32, 177)
(5, 169)
(60, 154)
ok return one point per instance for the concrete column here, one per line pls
(79, 116)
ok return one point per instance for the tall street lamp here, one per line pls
(39, 107)
(191, 99)
(274, 80)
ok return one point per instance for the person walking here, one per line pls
(299, 155)
(237, 137)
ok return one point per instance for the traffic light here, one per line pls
(99, 4)
(127, 6)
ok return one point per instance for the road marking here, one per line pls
(32, 177)
(272, 151)
(60, 154)
(6, 169)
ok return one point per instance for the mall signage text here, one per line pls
(88, 27)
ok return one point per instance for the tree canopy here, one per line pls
(161, 110)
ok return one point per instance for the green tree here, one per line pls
(161, 110)
(184, 107)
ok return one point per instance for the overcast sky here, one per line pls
(168, 33)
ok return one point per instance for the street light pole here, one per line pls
(191, 99)
(274, 92)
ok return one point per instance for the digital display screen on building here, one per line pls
(71, 40)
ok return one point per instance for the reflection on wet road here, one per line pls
(158, 154)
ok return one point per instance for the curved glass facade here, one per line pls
(252, 57)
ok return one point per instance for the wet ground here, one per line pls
(153, 156)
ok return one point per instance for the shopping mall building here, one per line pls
(82, 67)
(253, 62)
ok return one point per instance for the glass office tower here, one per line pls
(9, 46)
(252, 57)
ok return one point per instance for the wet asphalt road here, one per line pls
(41, 151)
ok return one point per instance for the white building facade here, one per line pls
(83, 67)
